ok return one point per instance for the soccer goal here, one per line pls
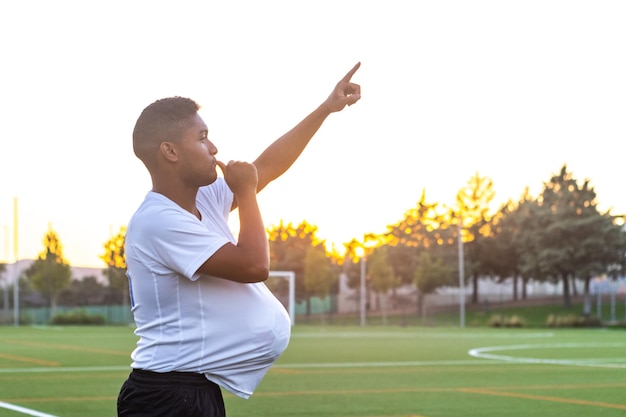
(283, 285)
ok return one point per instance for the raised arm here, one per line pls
(283, 152)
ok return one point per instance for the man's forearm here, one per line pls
(252, 239)
(283, 152)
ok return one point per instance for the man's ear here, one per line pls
(169, 151)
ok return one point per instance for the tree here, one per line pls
(288, 249)
(5, 294)
(423, 227)
(85, 292)
(502, 245)
(354, 251)
(318, 276)
(350, 266)
(565, 237)
(115, 260)
(427, 230)
(473, 202)
(49, 274)
(428, 276)
(564, 203)
(530, 227)
(382, 276)
(605, 252)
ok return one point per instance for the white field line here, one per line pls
(410, 335)
(65, 369)
(381, 364)
(619, 362)
(279, 366)
(24, 410)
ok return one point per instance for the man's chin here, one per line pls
(211, 180)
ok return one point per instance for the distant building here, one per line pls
(78, 272)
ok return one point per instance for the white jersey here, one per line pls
(190, 322)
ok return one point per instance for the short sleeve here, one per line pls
(163, 238)
(184, 244)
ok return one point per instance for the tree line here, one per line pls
(558, 236)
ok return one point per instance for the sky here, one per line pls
(511, 90)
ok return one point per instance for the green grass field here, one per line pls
(342, 371)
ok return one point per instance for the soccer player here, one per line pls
(204, 318)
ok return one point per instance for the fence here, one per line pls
(111, 314)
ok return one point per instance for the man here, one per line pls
(203, 315)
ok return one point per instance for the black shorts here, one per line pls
(170, 394)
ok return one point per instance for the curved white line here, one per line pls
(598, 362)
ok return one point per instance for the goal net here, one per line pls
(283, 285)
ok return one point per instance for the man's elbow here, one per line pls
(258, 272)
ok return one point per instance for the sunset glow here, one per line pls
(509, 90)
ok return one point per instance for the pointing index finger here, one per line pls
(350, 73)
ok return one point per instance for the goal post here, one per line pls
(283, 285)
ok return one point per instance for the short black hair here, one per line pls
(161, 121)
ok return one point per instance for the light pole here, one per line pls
(360, 253)
(461, 276)
(5, 291)
(363, 295)
(16, 278)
